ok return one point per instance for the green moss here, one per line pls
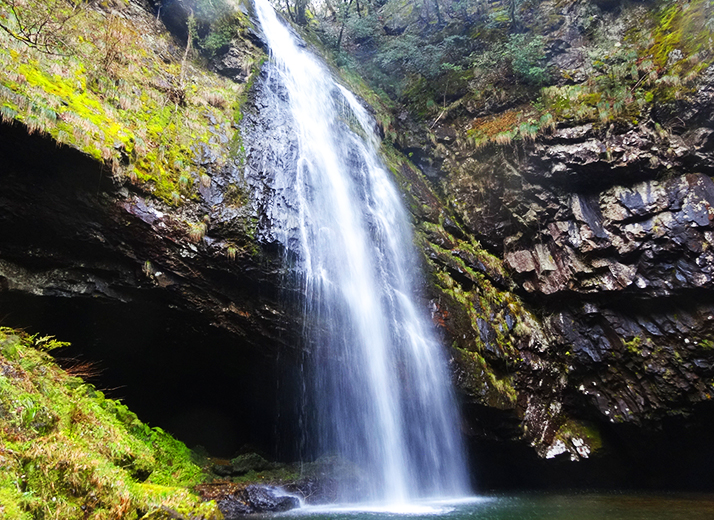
(684, 27)
(144, 113)
(485, 384)
(634, 346)
(575, 433)
(707, 344)
(237, 149)
(471, 305)
(377, 99)
(247, 89)
(234, 195)
(66, 451)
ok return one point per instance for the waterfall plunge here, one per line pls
(378, 378)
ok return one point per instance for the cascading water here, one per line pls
(378, 378)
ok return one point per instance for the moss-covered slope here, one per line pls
(68, 452)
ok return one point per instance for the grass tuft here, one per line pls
(197, 230)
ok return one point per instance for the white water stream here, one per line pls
(378, 376)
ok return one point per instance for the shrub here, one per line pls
(526, 55)
(521, 55)
(410, 54)
(213, 24)
(66, 451)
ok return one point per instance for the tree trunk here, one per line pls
(438, 12)
(344, 22)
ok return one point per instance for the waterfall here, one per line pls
(377, 375)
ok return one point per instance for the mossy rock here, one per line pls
(250, 462)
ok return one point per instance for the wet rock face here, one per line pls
(233, 63)
(235, 501)
(270, 142)
(313, 483)
(653, 237)
(627, 213)
(608, 234)
(266, 499)
(640, 363)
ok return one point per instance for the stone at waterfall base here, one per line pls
(235, 500)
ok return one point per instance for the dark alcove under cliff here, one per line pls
(193, 349)
(170, 369)
(672, 454)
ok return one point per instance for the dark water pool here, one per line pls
(531, 507)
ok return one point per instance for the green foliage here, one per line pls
(492, 55)
(364, 28)
(402, 53)
(66, 451)
(526, 55)
(122, 99)
(520, 57)
(657, 62)
(215, 23)
(408, 54)
(220, 36)
(393, 62)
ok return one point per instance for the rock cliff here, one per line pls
(572, 255)
(567, 244)
(144, 255)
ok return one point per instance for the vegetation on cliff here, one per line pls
(109, 81)
(66, 451)
(510, 68)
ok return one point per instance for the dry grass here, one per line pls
(501, 129)
(197, 230)
(216, 100)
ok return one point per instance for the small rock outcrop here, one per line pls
(257, 499)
